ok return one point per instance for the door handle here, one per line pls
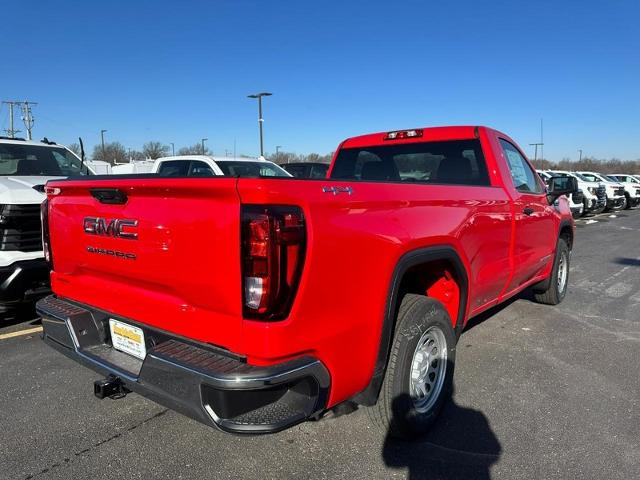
(528, 211)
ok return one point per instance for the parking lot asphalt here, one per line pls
(540, 392)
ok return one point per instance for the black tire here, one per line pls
(627, 201)
(395, 412)
(555, 293)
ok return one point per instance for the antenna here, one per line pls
(82, 154)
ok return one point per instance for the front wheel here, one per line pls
(420, 370)
(559, 281)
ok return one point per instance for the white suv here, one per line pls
(25, 166)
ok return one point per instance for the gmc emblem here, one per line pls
(118, 227)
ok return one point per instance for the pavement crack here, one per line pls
(96, 445)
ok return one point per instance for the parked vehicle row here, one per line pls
(598, 192)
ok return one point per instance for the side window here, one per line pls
(524, 179)
(174, 168)
(200, 169)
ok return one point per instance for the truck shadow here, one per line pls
(632, 262)
(459, 445)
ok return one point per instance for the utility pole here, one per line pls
(541, 142)
(11, 132)
(173, 149)
(102, 138)
(27, 118)
(278, 147)
(203, 140)
(535, 155)
(260, 119)
(580, 150)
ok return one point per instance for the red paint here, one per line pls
(186, 277)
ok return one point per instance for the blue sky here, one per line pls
(180, 71)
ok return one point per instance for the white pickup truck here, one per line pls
(616, 199)
(209, 166)
(631, 188)
(25, 166)
(576, 200)
(595, 196)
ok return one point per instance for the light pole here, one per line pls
(102, 137)
(203, 140)
(173, 149)
(580, 150)
(260, 119)
(278, 147)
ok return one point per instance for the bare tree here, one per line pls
(194, 150)
(155, 150)
(114, 152)
(75, 148)
(289, 157)
(137, 155)
(589, 164)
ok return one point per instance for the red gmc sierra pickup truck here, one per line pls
(252, 304)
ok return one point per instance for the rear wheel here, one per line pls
(420, 370)
(559, 281)
(627, 201)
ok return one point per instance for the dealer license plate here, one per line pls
(127, 339)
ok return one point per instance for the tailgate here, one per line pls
(170, 260)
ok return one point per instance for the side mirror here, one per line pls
(559, 186)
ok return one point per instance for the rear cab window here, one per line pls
(454, 162)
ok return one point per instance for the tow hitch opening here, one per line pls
(111, 387)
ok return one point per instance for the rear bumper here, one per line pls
(23, 281)
(208, 384)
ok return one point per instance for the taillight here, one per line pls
(273, 248)
(46, 242)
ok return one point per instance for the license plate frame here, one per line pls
(127, 338)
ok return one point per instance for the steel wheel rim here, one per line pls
(428, 369)
(563, 272)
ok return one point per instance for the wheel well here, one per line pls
(436, 279)
(566, 233)
(437, 272)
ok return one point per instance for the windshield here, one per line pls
(586, 178)
(17, 159)
(251, 169)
